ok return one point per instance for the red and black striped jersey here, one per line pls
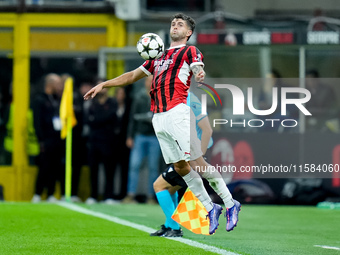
(171, 76)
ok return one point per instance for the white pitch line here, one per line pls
(205, 247)
(328, 247)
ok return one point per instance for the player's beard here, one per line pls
(177, 37)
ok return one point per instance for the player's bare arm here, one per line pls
(120, 81)
(198, 73)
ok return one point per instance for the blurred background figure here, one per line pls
(319, 26)
(52, 149)
(2, 128)
(323, 104)
(102, 120)
(5, 106)
(266, 95)
(143, 143)
(265, 100)
(84, 87)
(122, 152)
(84, 131)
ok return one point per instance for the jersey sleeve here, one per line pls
(195, 57)
(147, 67)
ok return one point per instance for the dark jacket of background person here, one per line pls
(46, 107)
(47, 127)
(78, 145)
(122, 152)
(102, 120)
(140, 117)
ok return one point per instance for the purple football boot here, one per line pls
(232, 215)
(214, 215)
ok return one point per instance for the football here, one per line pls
(150, 46)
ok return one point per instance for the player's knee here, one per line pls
(158, 185)
(182, 167)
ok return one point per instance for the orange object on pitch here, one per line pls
(191, 214)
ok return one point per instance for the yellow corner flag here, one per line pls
(191, 214)
(66, 108)
(68, 120)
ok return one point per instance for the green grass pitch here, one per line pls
(51, 229)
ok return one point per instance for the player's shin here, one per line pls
(165, 201)
(216, 182)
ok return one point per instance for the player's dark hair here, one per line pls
(190, 21)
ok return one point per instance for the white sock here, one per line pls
(216, 182)
(195, 184)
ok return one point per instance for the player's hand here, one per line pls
(200, 76)
(93, 92)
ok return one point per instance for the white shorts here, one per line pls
(177, 138)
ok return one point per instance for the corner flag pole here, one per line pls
(68, 161)
(68, 121)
